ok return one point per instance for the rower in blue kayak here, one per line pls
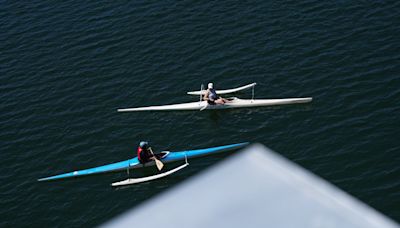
(212, 97)
(144, 153)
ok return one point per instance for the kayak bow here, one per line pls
(134, 163)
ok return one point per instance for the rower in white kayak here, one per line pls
(212, 97)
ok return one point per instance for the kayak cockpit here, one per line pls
(162, 154)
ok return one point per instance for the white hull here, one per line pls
(234, 103)
(226, 91)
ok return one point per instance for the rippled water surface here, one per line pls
(65, 67)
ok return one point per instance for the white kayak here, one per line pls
(234, 102)
(225, 91)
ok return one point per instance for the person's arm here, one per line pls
(206, 95)
(151, 154)
(159, 164)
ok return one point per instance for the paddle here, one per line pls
(201, 98)
(204, 107)
(159, 164)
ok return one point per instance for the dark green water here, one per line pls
(66, 67)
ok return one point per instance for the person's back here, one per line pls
(143, 152)
(212, 94)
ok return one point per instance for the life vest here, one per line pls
(212, 95)
(139, 153)
(142, 155)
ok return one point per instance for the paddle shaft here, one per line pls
(201, 92)
(201, 98)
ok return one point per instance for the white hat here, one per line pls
(210, 85)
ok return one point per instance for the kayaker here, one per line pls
(212, 97)
(144, 153)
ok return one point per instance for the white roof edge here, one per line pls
(256, 188)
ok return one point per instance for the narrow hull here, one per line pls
(134, 163)
(234, 103)
(174, 107)
(241, 103)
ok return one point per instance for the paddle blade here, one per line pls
(204, 107)
(159, 164)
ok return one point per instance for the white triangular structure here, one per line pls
(256, 188)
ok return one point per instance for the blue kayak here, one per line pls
(134, 163)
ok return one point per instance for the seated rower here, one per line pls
(144, 153)
(212, 97)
